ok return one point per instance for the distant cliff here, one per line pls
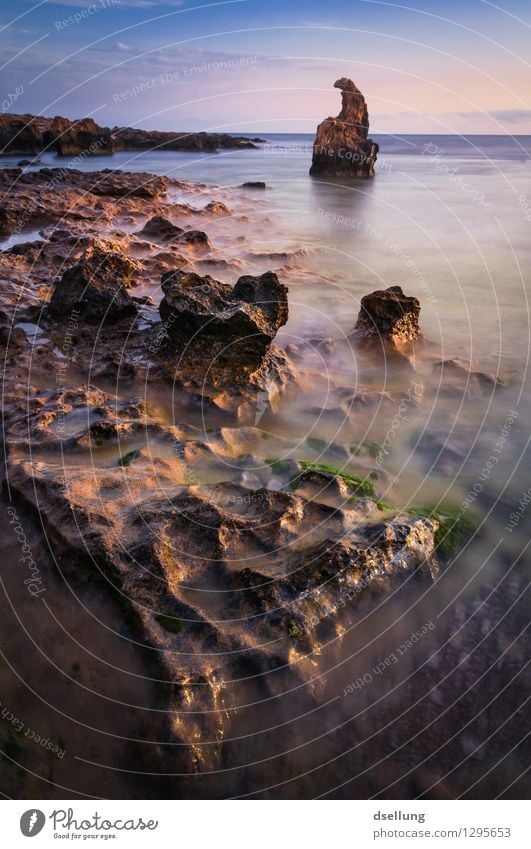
(341, 147)
(29, 135)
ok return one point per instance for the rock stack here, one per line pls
(342, 147)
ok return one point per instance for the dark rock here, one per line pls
(97, 288)
(219, 324)
(117, 184)
(71, 138)
(29, 135)
(254, 184)
(160, 229)
(457, 378)
(127, 138)
(216, 207)
(341, 147)
(388, 319)
(9, 221)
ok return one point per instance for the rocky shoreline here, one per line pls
(30, 135)
(227, 551)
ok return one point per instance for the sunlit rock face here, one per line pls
(342, 147)
(213, 322)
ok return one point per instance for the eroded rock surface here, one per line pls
(342, 147)
(388, 320)
(95, 289)
(212, 322)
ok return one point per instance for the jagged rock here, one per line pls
(341, 147)
(96, 287)
(119, 184)
(388, 320)
(160, 229)
(8, 222)
(213, 322)
(85, 136)
(275, 555)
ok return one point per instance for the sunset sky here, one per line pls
(458, 66)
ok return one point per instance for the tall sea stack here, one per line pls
(341, 147)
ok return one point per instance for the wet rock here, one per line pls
(9, 221)
(445, 450)
(388, 320)
(458, 378)
(221, 325)
(118, 184)
(160, 229)
(96, 287)
(216, 207)
(341, 147)
(254, 184)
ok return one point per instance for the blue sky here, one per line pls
(269, 65)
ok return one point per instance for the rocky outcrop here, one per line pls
(388, 320)
(38, 198)
(127, 138)
(25, 135)
(342, 147)
(70, 138)
(96, 289)
(160, 229)
(216, 324)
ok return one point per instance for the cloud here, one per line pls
(504, 116)
(511, 116)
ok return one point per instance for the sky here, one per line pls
(424, 66)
